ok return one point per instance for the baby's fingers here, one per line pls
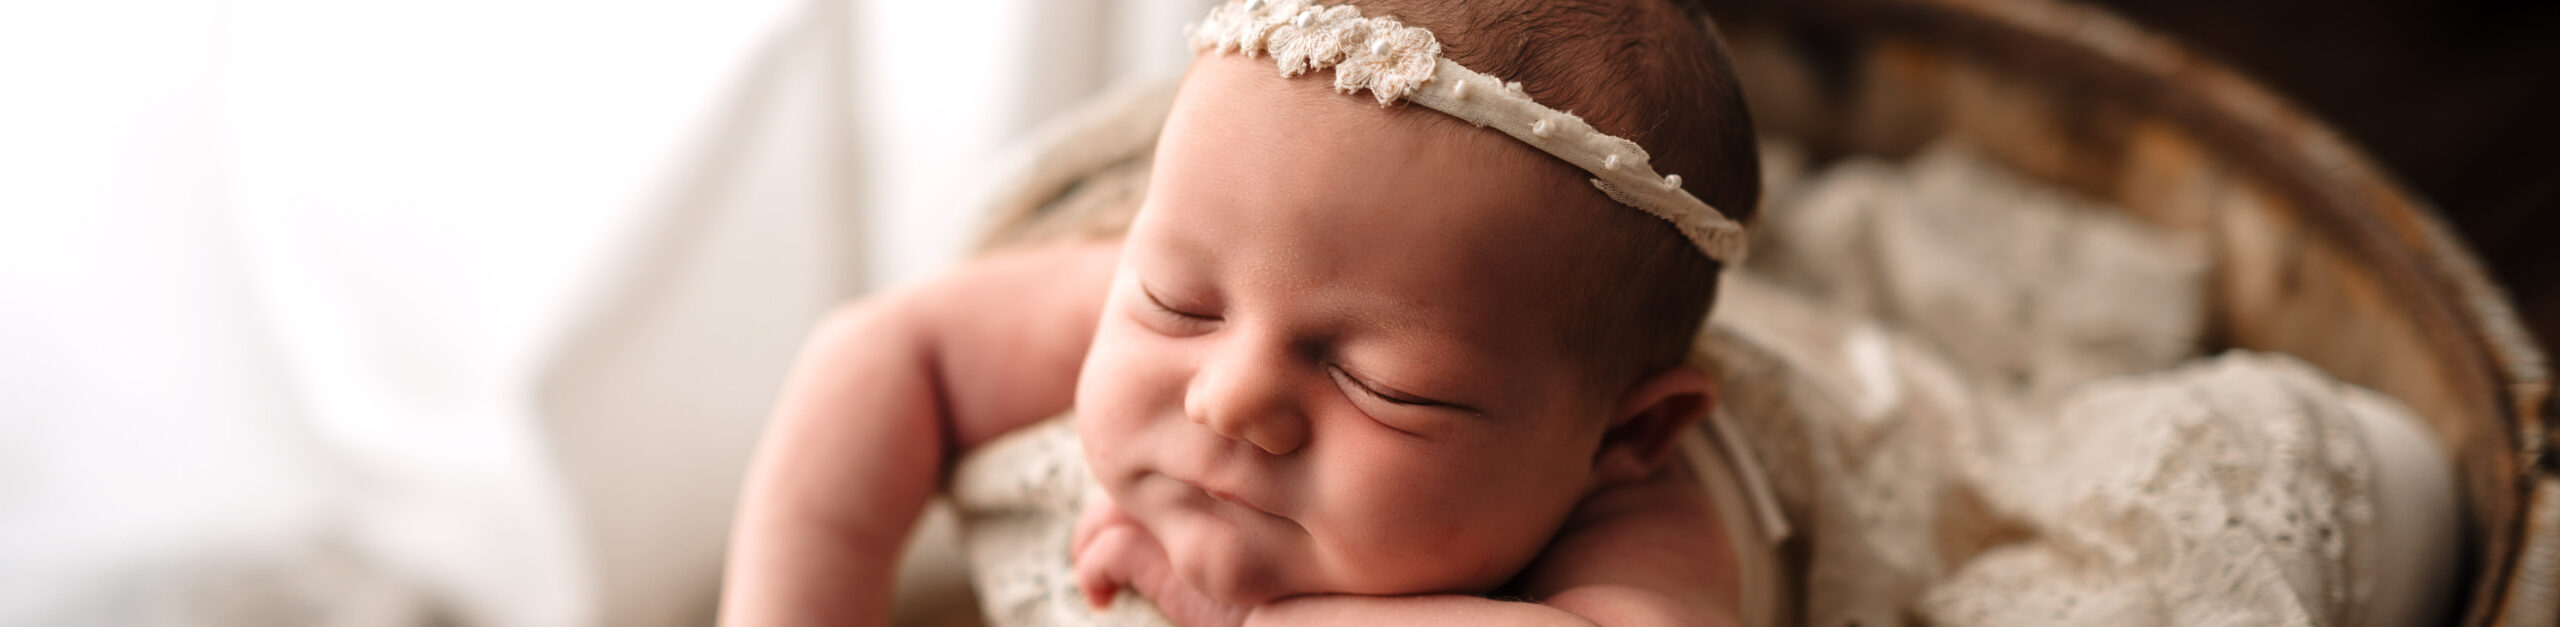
(1099, 514)
(1103, 565)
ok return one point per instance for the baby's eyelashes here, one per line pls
(1159, 303)
(1180, 318)
(1393, 396)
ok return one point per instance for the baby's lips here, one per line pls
(1228, 497)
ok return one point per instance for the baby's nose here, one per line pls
(1273, 434)
(1249, 398)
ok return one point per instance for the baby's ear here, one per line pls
(1646, 422)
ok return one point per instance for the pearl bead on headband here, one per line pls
(1398, 62)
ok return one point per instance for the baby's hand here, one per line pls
(1112, 551)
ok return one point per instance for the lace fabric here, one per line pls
(1994, 414)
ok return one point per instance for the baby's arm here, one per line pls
(873, 412)
(1648, 553)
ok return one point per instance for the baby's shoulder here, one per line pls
(1648, 543)
(1671, 501)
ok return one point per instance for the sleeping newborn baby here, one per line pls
(1391, 339)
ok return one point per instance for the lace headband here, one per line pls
(1398, 62)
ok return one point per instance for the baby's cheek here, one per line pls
(1109, 405)
(1391, 528)
(1417, 556)
(1401, 529)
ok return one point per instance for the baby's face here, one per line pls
(1330, 357)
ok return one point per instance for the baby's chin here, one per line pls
(1223, 565)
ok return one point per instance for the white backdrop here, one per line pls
(322, 312)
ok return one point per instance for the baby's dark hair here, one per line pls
(1652, 71)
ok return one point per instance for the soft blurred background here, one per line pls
(468, 312)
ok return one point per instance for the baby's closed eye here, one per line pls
(1402, 412)
(1390, 395)
(1173, 319)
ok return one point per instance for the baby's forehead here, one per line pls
(1288, 178)
(1262, 133)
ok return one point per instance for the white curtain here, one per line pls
(318, 312)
